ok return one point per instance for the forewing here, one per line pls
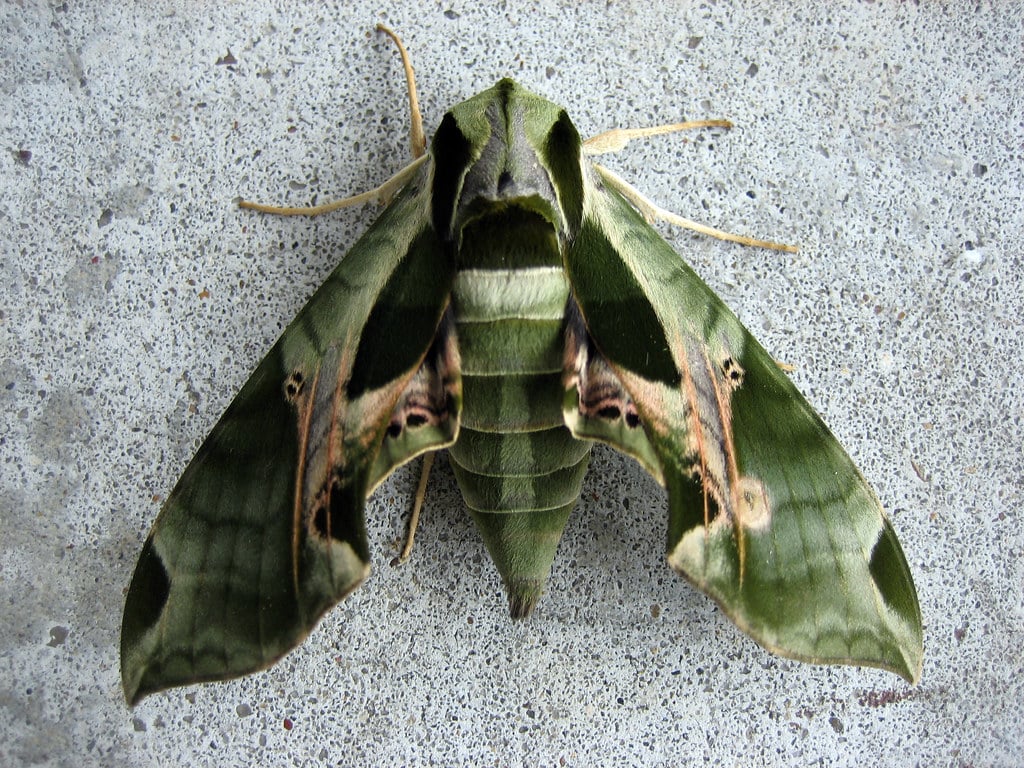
(768, 514)
(265, 529)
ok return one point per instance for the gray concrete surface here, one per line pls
(884, 138)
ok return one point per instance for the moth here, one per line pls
(513, 306)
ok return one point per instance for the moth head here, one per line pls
(506, 147)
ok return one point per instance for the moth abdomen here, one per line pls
(519, 468)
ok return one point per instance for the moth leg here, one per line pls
(387, 190)
(650, 211)
(416, 134)
(382, 194)
(417, 506)
(617, 138)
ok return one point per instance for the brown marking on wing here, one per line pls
(697, 434)
(601, 392)
(335, 436)
(425, 399)
(724, 404)
(304, 406)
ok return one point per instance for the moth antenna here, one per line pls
(389, 188)
(617, 138)
(416, 134)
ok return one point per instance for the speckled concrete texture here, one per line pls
(884, 138)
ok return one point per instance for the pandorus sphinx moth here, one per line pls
(512, 305)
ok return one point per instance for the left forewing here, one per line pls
(265, 529)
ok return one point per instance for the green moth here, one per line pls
(512, 306)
